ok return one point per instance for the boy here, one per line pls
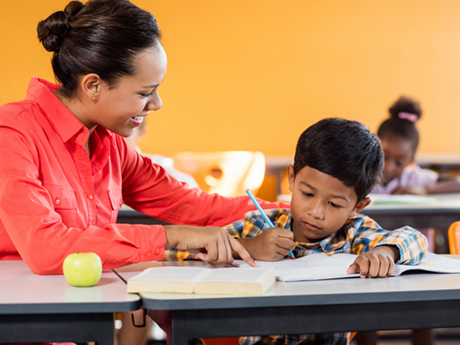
(337, 163)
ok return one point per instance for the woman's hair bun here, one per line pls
(53, 29)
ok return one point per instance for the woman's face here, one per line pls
(398, 154)
(123, 107)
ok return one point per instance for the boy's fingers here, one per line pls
(286, 244)
(354, 268)
(386, 267)
(363, 265)
(375, 267)
(285, 233)
(391, 270)
(383, 269)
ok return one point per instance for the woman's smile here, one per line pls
(137, 120)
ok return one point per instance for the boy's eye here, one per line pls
(307, 194)
(146, 94)
(334, 205)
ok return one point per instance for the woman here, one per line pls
(65, 169)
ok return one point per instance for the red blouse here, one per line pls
(56, 200)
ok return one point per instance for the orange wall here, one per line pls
(254, 74)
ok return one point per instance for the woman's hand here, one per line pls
(273, 244)
(377, 262)
(210, 244)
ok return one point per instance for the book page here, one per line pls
(432, 263)
(311, 267)
(321, 266)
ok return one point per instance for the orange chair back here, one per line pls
(453, 235)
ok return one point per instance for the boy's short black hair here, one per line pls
(343, 149)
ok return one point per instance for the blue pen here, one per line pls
(263, 214)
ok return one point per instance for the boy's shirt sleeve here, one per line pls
(254, 224)
(411, 243)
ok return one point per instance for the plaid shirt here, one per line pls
(358, 235)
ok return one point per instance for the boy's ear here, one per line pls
(359, 206)
(290, 176)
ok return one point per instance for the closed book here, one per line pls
(227, 281)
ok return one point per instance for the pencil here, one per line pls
(264, 215)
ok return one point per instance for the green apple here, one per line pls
(82, 269)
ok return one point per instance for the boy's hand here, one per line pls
(271, 245)
(210, 244)
(378, 262)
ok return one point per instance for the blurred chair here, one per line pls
(453, 235)
(229, 173)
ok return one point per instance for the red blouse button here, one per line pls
(148, 254)
(57, 201)
(23, 185)
(90, 196)
(157, 251)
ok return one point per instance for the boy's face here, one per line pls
(320, 204)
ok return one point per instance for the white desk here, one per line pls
(406, 302)
(37, 308)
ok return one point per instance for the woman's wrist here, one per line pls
(172, 235)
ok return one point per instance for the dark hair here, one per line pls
(343, 149)
(101, 37)
(404, 113)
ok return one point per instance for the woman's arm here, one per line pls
(149, 189)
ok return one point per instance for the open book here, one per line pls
(232, 281)
(322, 266)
